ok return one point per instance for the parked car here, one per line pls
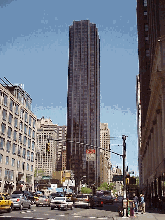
(5, 203)
(42, 200)
(96, 201)
(107, 199)
(82, 200)
(120, 198)
(60, 203)
(20, 201)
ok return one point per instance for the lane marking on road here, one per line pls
(77, 216)
(102, 218)
(92, 217)
(27, 217)
(23, 212)
(61, 215)
(28, 211)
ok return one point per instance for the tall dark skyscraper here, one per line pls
(83, 101)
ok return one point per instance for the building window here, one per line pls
(26, 117)
(147, 53)
(30, 132)
(32, 145)
(5, 100)
(32, 157)
(146, 27)
(16, 109)
(3, 128)
(12, 175)
(24, 140)
(7, 160)
(2, 143)
(15, 122)
(145, 12)
(9, 132)
(18, 164)
(146, 38)
(13, 162)
(11, 105)
(30, 120)
(1, 158)
(14, 149)
(24, 153)
(27, 167)
(15, 135)
(23, 165)
(25, 129)
(20, 137)
(19, 151)
(28, 155)
(34, 123)
(31, 168)
(21, 126)
(145, 3)
(10, 118)
(4, 114)
(8, 147)
(33, 134)
(29, 143)
(21, 113)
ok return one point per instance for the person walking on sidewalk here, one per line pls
(135, 199)
(142, 203)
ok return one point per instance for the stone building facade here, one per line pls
(151, 47)
(46, 158)
(105, 164)
(17, 139)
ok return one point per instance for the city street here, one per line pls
(106, 212)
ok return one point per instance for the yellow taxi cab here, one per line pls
(5, 203)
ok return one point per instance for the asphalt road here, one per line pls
(106, 212)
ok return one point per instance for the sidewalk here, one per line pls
(148, 215)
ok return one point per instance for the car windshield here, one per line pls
(16, 195)
(42, 197)
(59, 198)
(81, 196)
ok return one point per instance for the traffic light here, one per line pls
(48, 147)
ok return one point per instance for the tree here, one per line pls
(38, 172)
(106, 186)
(86, 190)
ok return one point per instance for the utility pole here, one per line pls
(124, 175)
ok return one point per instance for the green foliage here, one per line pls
(38, 172)
(86, 190)
(106, 186)
(114, 191)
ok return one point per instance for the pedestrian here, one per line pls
(135, 199)
(142, 202)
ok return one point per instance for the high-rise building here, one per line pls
(17, 139)
(105, 165)
(61, 148)
(83, 102)
(46, 147)
(151, 106)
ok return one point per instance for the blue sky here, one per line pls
(34, 51)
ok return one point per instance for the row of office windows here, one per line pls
(13, 163)
(10, 120)
(27, 131)
(18, 150)
(14, 108)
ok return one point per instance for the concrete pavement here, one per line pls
(146, 215)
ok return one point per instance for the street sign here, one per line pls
(69, 183)
(90, 155)
(117, 177)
